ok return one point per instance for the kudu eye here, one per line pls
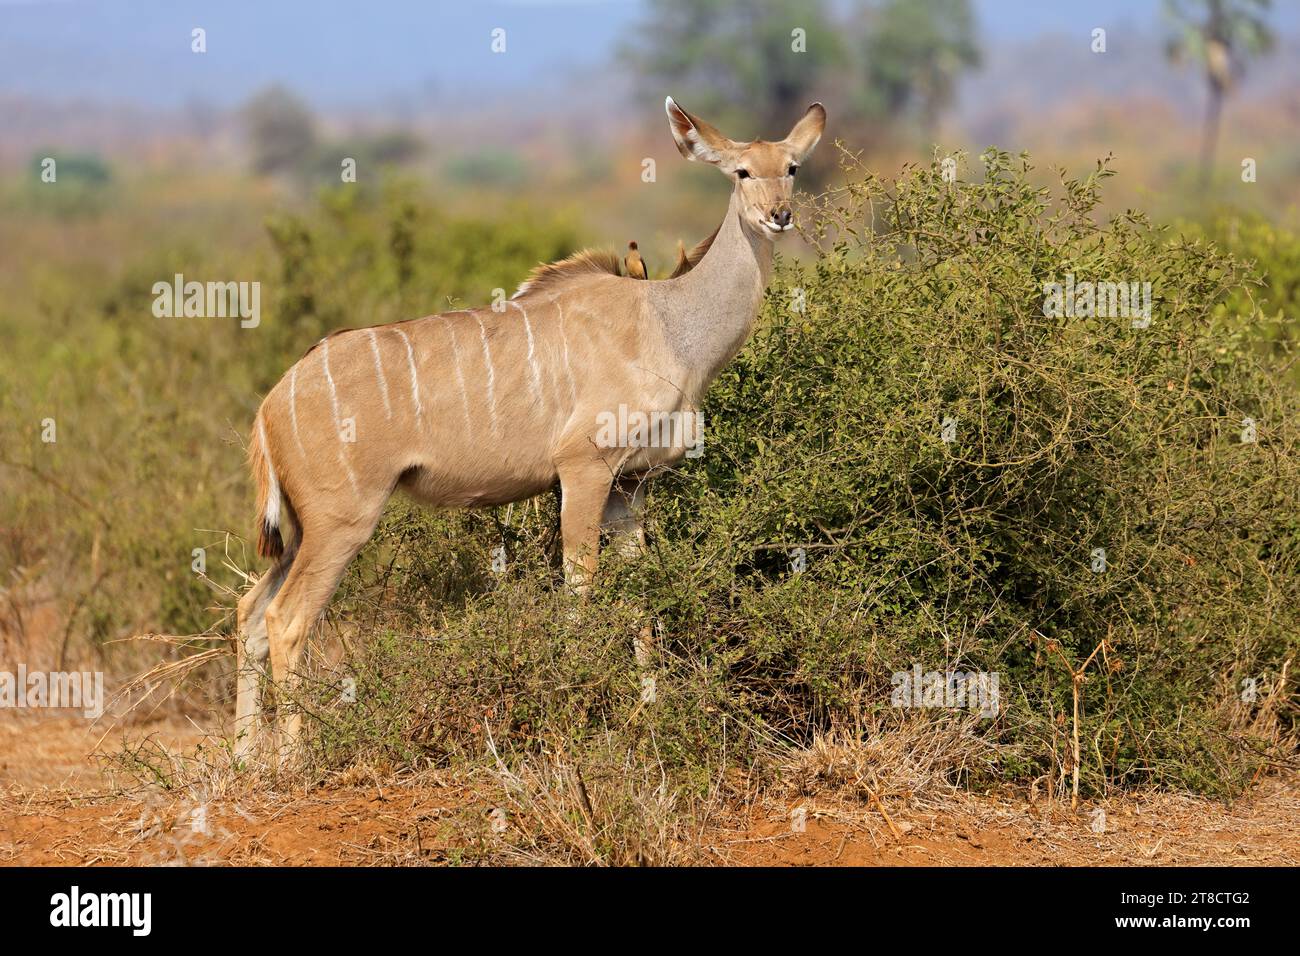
(742, 174)
(792, 170)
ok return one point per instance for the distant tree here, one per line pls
(891, 61)
(81, 168)
(82, 180)
(914, 53)
(1219, 36)
(281, 129)
(719, 56)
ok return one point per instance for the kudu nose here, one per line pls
(782, 217)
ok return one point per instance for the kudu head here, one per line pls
(763, 172)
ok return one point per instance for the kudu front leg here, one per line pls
(584, 492)
(623, 522)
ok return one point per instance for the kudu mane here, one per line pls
(686, 261)
(549, 276)
(546, 276)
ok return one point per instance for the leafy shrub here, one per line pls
(1072, 435)
(1261, 318)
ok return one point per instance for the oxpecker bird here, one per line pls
(634, 264)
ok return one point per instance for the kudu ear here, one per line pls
(696, 139)
(803, 138)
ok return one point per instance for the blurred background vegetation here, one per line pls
(461, 190)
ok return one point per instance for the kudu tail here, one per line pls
(270, 499)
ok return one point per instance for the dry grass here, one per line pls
(881, 797)
(913, 759)
(624, 813)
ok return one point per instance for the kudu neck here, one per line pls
(737, 253)
(709, 312)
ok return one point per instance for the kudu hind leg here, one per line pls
(323, 556)
(252, 648)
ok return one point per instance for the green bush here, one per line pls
(1069, 434)
(1261, 317)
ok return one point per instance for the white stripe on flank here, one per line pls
(293, 407)
(491, 375)
(553, 377)
(272, 517)
(338, 423)
(568, 369)
(532, 362)
(334, 395)
(379, 371)
(352, 478)
(460, 375)
(552, 367)
(415, 382)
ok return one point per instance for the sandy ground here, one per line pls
(60, 807)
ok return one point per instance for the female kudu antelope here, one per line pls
(480, 407)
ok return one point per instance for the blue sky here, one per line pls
(348, 53)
